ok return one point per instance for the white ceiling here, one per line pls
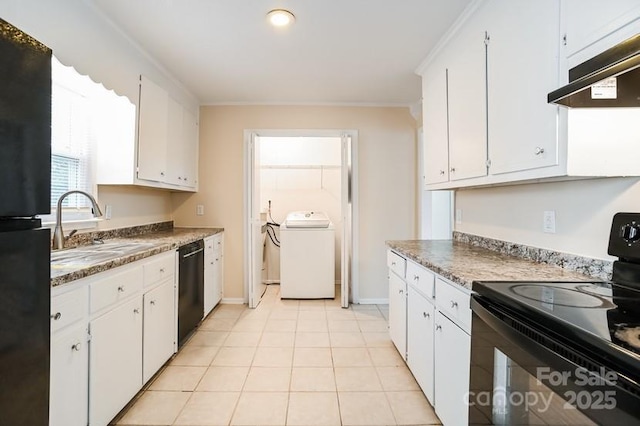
(337, 52)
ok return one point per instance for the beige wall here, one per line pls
(584, 210)
(133, 206)
(386, 151)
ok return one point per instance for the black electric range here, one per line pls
(588, 333)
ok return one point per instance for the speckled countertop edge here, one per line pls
(163, 241)
(462, 263)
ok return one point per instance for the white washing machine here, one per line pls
(307, 256)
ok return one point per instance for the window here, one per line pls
(71, 141)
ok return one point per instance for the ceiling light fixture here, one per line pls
(280, 18)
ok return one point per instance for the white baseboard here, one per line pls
(269, 282)
(373, 302)
(232, 301)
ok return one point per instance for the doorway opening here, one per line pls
(290, 171)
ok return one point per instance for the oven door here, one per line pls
(521, 376)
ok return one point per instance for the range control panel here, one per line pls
(624, 239)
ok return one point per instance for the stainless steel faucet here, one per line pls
(58, 235)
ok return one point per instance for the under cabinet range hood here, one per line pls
(610, 79)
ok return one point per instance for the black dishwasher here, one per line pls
(190, 288)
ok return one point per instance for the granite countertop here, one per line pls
(464, 263)
(154, 242)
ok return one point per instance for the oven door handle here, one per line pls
(193, 253)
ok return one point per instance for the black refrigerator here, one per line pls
(25, 181)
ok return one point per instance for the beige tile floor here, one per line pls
(288, 362)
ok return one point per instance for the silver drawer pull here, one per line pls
(426, 315)
(454, 304)
(76, 347)
(121, 289)
(56, 316)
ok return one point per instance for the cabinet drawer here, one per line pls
(454, 303)
(213, 243)
(109, 290)
(68, 308)
(396, 263)
(422, 279)
(158, 268)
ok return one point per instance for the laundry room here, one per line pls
(301, 174)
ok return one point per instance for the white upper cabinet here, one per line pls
(165, 152)
(522, 125)
(592, 26)
(467, 104)
(153, 121)
(436, 133)
(493, 111)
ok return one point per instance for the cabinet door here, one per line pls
(115, 361)
(175, 144)
(589, 21)
(522, 125)
(434, 124)
(69, 378)
(398, 313)
(153, 113)
(452, 365)
(190, 144)
(212, 280)
(467, 104)
(420, 349)
(159, 331)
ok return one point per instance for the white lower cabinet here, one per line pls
(420, 344)
(158, 328)
(69, 377)
(398, 313)
(452, 367)
(110, 333)
(115, 361)
(430, 324)
(213, 272)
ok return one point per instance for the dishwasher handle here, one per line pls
(192, 253)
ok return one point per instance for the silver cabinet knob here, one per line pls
(400, 291)
(76, 347)
(539, 150)
(161, 173)
(162, 270)
(393, 263)
(56, 316)
(416, 277)
(454, 304)
(426, 315)
(152, 302)
(442, 172)
(136, 311)
(452, 170)
(438, 327)
(121, 289)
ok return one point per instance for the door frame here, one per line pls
(353, 182)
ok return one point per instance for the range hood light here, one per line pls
(280, 18)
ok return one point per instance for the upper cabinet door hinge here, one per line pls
(488, 163)
(487, 38)
(564, 40)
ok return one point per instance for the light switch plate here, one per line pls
(458, 216)
(107, 211)
(200, 210)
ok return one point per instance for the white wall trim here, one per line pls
(323, 104)
(232, 301)
(373, 302)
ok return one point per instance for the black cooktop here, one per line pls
(590, 312)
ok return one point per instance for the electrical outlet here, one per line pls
(549, 222)
(107, 211)
(458, 216)
(200, 210)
